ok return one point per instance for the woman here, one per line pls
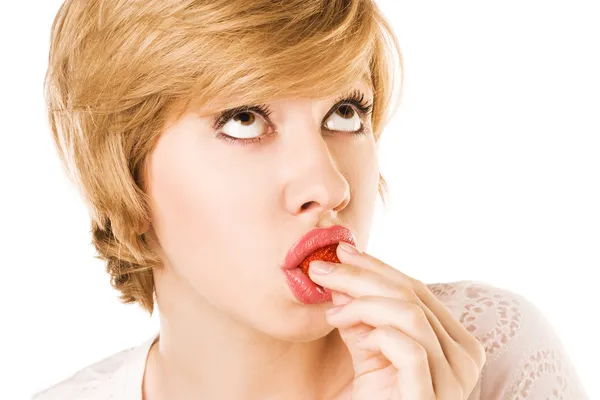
(227, 151)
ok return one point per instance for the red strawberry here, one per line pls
(326, 253)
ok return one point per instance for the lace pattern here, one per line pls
(525, 357)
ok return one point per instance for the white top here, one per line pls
(118, 377)
(525, 357)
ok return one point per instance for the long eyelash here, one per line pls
(222, 118)
(355, 98)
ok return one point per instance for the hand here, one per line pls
(412, 347)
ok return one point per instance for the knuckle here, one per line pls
(389, 333)
(476, 350)
(350, 271)
(473, 373)
(415, 314)
(362, 272)
(417, 286)
(404, 293)
(480, 355)
(379, 264)
(468, 374)
(416, 354)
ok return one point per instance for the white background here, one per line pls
(493, 164)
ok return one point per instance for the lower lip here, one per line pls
(305, 290)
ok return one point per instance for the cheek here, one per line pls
(363, 178)
(181, 216)
(203, 212)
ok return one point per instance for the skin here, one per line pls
(404, 342)
(223, 217)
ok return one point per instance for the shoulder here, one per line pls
(525, 358)
(100, 380)
(494, 315)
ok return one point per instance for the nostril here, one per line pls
(308, 205)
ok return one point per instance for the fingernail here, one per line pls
(348, 248)
(321, 267)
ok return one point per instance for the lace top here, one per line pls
(525, 357)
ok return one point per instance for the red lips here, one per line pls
(318, 243)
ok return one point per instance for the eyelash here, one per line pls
(355, 98)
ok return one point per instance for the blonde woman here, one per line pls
(227, 151)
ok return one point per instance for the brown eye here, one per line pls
(246, 119)
(345, 111)
(245, 125)
(346, 118)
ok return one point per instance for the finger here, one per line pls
(459, 333)
(366, 261)
(360, 282)
(440, 316)
(404, 316)
(344, 288)
(408, 357)
(356, 257)
(462, 363)
(352, 280)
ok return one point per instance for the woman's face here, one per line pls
(226, 213)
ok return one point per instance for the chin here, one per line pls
(300, 326)
(308, 334)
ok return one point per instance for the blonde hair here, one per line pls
(118, 68)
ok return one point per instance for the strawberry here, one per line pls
(326, 253)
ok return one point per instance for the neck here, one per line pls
(215, 356)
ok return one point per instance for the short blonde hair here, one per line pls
(118, 68)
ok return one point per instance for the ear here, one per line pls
(143, 228)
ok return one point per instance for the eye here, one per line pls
(344, 119)
(241, 126)
(244, 125)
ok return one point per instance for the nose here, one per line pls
(314, 183)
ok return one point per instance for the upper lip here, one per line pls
(314, 240)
